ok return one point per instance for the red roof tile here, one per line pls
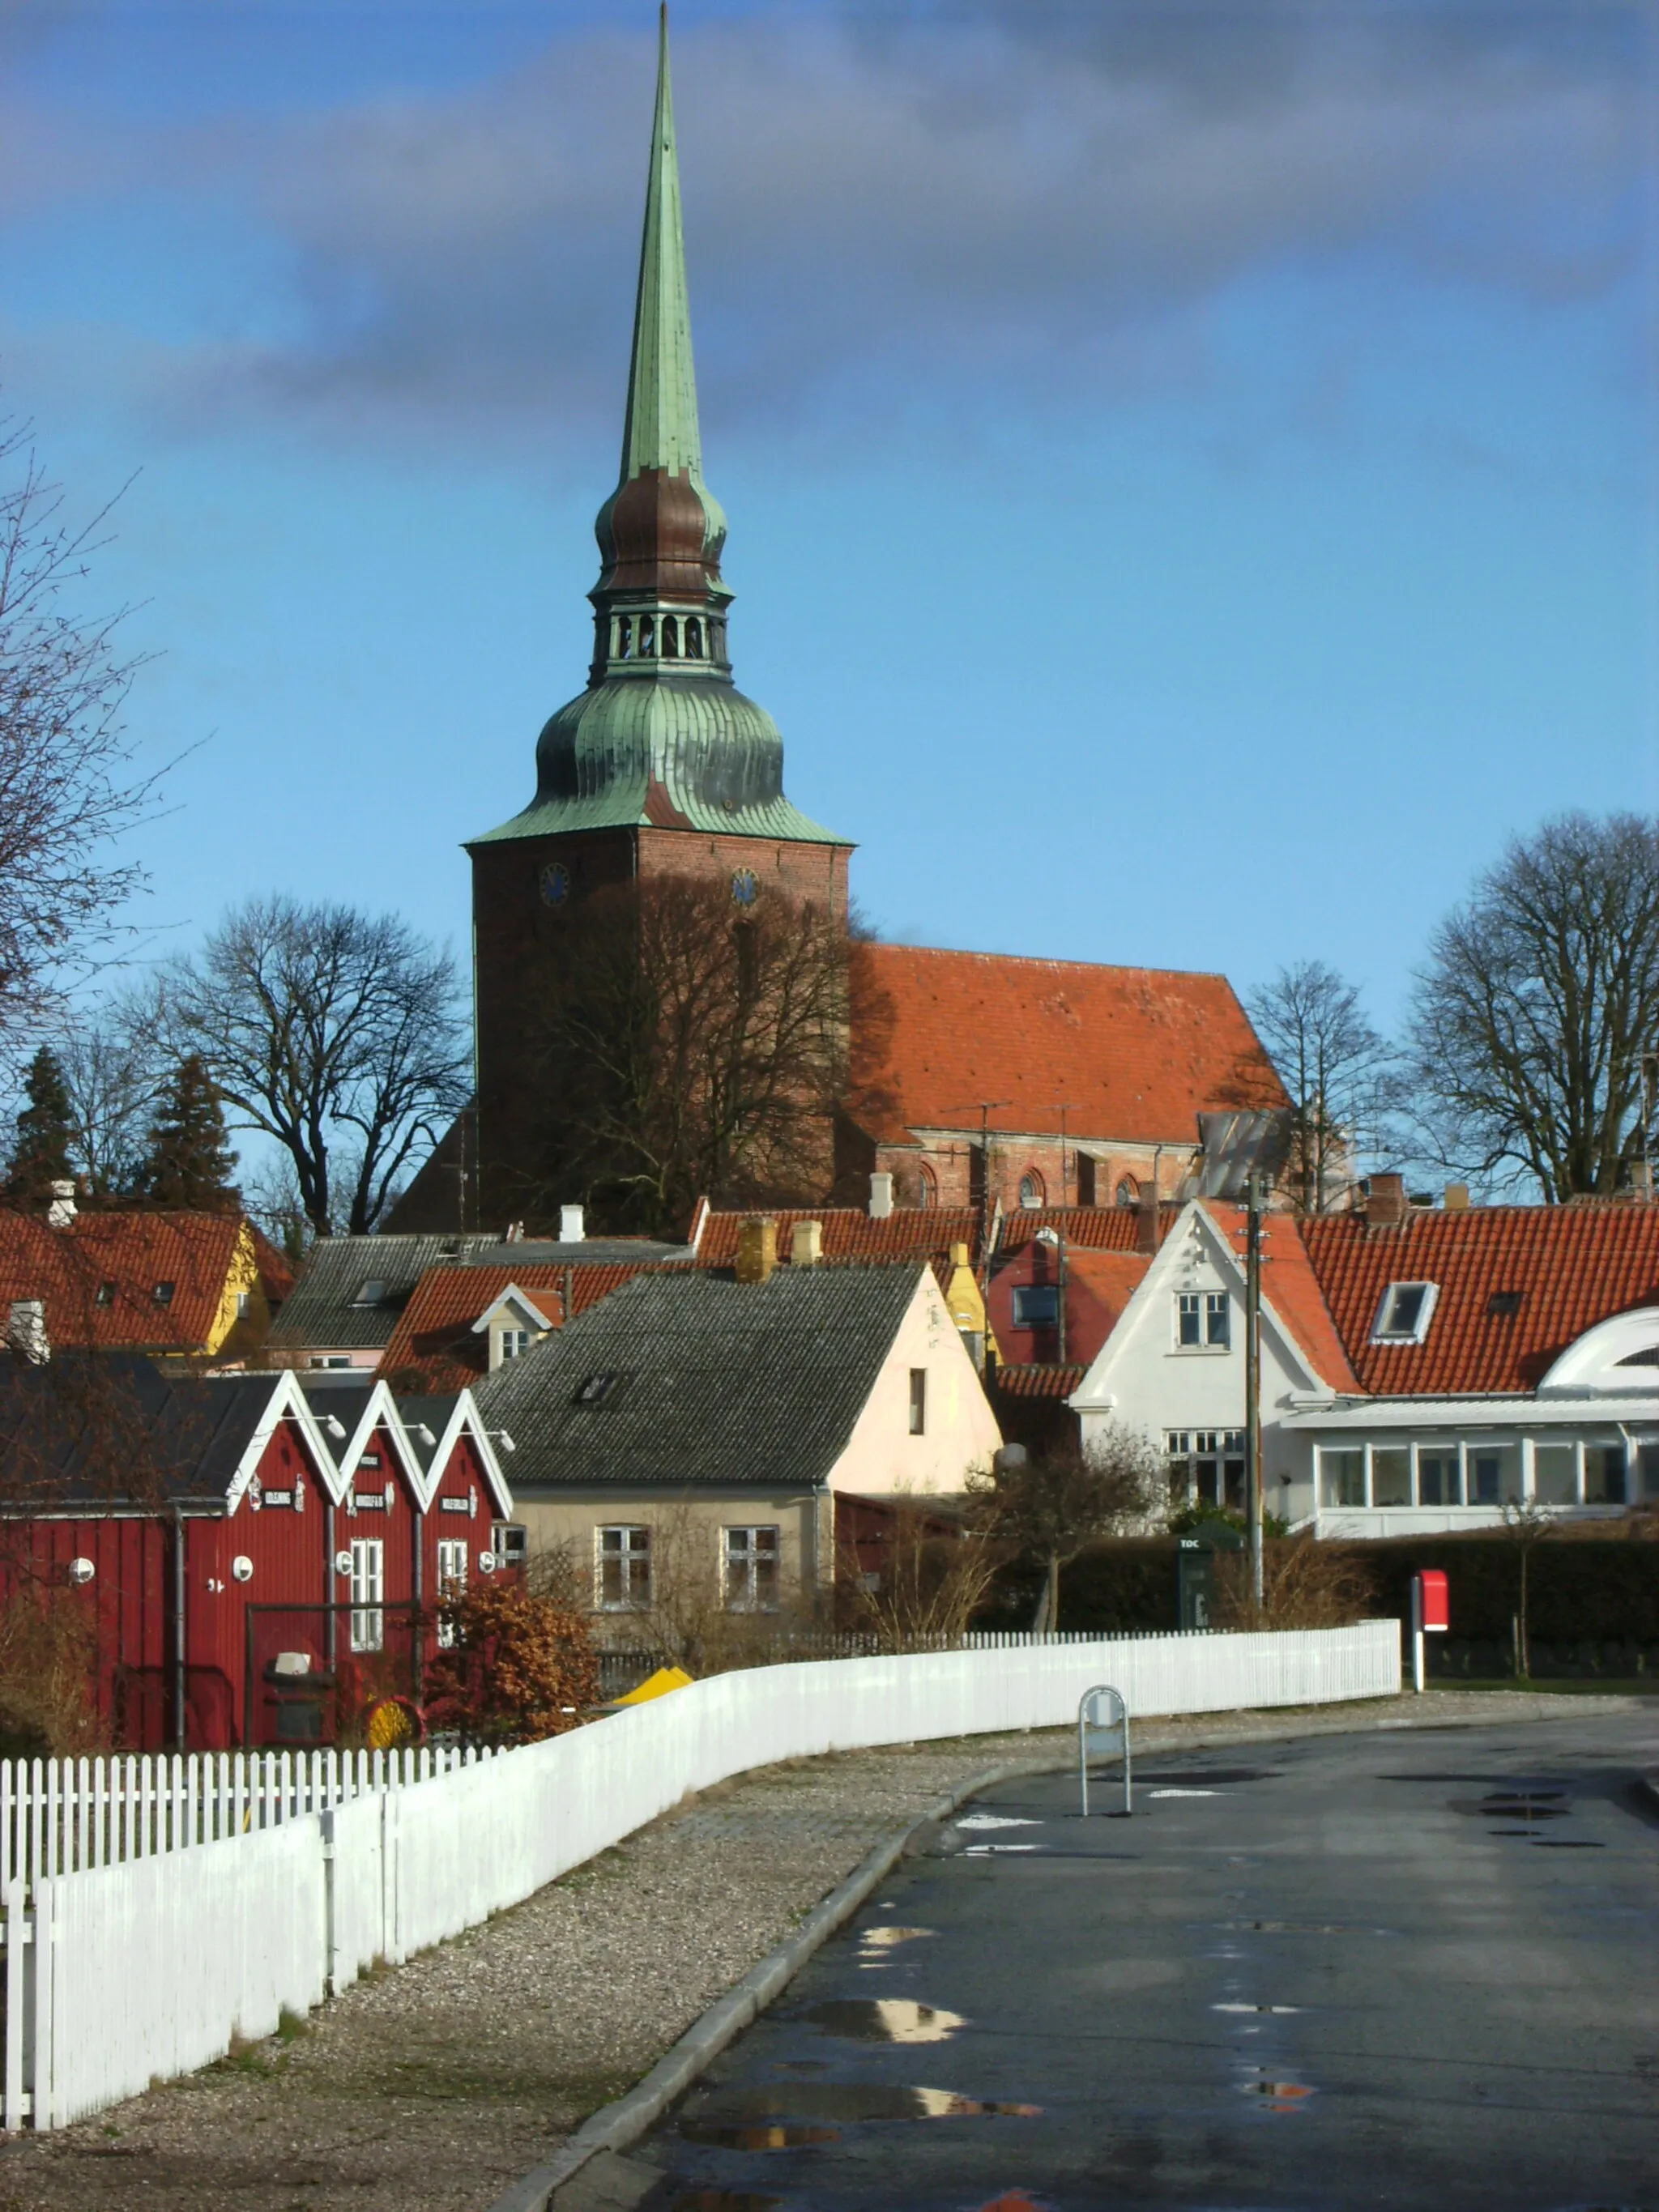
(99, 1275)
(1571, 1266)
(1038, 1381)
(434, 1337)
(1291, 1287)
(1136, 1053)
(1092, 1228)
(909, 1233)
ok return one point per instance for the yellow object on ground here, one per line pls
(658, 1686)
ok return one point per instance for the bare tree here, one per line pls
(932, 1578)
(1335, 1068)
(66, 788)
(113, 1077)
(1055, 1505)
(1541, 998)
(687, 1047)
(336, 1034)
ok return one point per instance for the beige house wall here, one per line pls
(961, 1431)
(687, 1537)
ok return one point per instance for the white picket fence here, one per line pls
(150, 1966)
(63, 1815)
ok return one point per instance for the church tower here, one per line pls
(661, 766)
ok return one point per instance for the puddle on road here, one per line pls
(722, 2200)
(875, 1943)
(1254, 2007)
(885, 2020)
(995, 1820)
(783, 2114)
(1553, 1843)
(1276, 2096)
(1183, 1793)
(1212, 1776)
(745, 2135)
(1513, 1805)
(1293, 1928)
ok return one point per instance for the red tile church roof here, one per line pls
(1134, 1053)
(1569, 1265)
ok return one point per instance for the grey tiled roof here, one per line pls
(322, 1312)
(108, 1429)
(715, 1381)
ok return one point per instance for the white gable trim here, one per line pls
(522, 1301)
(287, 1402)
(1150, 1298)
(465, 1419)
(381, 1409)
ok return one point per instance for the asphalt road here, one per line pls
(1413, 1969)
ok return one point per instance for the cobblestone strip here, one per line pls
(431, 2088)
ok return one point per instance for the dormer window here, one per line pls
(515, 1342)
(1404, 1315)
(106, 1294)
(162, 1294)
(370, 1291)
(598, 1389)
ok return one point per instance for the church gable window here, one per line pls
(670, 638)
(624, 637)
(648, 636)
(693, 638)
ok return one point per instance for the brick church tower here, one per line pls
(661, 766)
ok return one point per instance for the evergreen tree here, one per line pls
(44, 1131)
(189, 1162)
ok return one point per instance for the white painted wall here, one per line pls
(882, 1455)
(1143, 1380)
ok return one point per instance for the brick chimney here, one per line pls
(757, 1248)
(61, 1212)
(26, 1330)
(1456, 1200)
(806, 1244)
(1385, 1201)
(1146, 1223)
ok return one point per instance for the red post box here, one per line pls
(1431, 1614)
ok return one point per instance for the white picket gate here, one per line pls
(151, 1965)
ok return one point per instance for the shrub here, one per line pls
(521, 1667)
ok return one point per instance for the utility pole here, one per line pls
(1253, 1379)
(986, 1107)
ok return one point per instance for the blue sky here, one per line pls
(1192, 471)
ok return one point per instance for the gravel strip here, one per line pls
(432, 2087)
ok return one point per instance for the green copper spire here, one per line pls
(660, 431)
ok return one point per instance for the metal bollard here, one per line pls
(1116, 1723)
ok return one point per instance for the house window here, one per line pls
(598, 1389)
(1604, 1475)
(452, 1581)
(1391, 1474)
(330, 1359)
(1504, 1305)
(751, 1570)
(243, 1304)
(1206, 1467)
(1555, 1473)
(106, 1294)
(1440, 1475)
(1036, 1305)
(162, 1294)
(368, 1589)
(624, 1569)
(514, 1343)
(1341, 1475)
(1030, 1188)
(1494, 1473)
(1404, 1313)
(1085, 1180)
(1202, 1321)
(918, 1401)
(370, 1291)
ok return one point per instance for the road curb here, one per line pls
(616, 2125)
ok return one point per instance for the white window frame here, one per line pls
(1183, 1448)
(367, 1593)
(1348, 1450)
(1381, 1330)
(1207, 1308)
(632, 1556)
(511, 1344)
(451, 1580)
(745, 1551)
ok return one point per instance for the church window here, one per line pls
(670, 638)
(693, 638)
(1128, 1191)
(1030, 1188)
(1085, 1179)
(648, 636)
(927, 1188)
(624, 637)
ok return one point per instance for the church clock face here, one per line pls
(554, 882)
(745, 887)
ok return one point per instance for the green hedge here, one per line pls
(1578, 1588)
